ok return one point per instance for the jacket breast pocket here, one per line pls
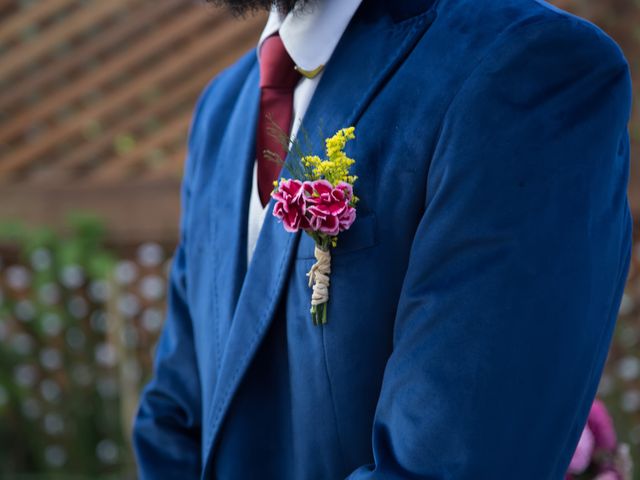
(362, 234)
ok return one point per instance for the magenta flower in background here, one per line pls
(584, 451)
(601, 425)
(610, 475)
(598, 455)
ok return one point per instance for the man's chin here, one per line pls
(244, 7)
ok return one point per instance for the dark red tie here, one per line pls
(278, 79)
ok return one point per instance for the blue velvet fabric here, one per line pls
(473, 300)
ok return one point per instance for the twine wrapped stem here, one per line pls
(319, 277)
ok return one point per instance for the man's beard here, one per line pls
(242, 7)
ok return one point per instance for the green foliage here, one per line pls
(59, 409)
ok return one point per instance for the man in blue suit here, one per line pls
(473, 300)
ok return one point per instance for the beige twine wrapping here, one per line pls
(319, 277)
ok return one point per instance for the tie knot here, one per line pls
(277, 69)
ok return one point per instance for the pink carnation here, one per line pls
(316, 206)
(329, 207)
(290, 206)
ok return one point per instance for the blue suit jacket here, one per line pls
(473, 300)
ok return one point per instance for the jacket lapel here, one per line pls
(232, 188)
(373, 46)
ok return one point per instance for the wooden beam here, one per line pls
(185, 60)
(84, 53)
(119, 167)
(171, 169)
(160, 39)
(86, 150)
(37, 12)
(132, 211)
(85, 18)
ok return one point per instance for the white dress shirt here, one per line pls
(310, 36)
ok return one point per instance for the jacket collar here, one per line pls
(310, 35)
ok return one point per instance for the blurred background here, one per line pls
(95, 102)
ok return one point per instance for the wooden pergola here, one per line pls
(95, 102)
(96, 98)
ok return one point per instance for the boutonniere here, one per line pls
(318, 200)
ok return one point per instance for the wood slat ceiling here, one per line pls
(100, 92)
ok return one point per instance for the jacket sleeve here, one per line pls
(517, 268)
(167, 427)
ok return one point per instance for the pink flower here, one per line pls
(348, 216)
(582, 456)
(598, 444)
(328, 207)
(290, 205)
(601, 426)
(317, 206)
(610, 475)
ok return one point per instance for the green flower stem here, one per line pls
(319, 314)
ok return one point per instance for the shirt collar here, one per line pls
(310, 36)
